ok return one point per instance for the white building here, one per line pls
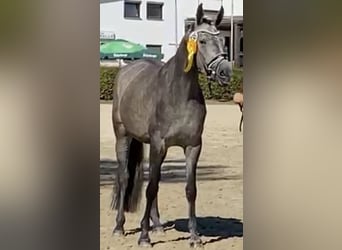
(156, 24)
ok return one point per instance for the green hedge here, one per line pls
(219, 92)
(107, 77)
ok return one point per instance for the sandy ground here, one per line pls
(220, 189)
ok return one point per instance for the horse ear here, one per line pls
(189, 29)
(219, 17)
(192, 27)
(199, 14)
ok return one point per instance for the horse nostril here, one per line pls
(224, 69)
(224, 74)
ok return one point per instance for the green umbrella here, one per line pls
(122, 49)
(150, 54)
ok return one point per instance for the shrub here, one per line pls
(107, 79)
(224, 93)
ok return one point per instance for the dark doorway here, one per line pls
(227, 45)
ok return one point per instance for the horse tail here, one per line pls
(135, 180)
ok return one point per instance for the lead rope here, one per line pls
(241, 119)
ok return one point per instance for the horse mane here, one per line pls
(176, 80)
(181, 53)
(179, 60)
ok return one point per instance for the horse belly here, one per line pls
(137, 131)
(134, 112)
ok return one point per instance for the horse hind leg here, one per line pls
(122, 144)
(129, 179)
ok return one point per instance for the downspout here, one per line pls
(176, 24)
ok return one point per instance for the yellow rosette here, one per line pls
(191, 47)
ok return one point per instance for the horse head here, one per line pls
(204, 44)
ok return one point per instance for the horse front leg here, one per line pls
(192, 156)
(157, 155)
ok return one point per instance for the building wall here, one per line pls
(154, 31)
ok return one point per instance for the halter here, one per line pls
(212, 67)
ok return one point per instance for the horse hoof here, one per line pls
(144, 243)
(196, 243)
(118, 233)
(158, 231)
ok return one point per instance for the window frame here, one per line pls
(132, 3)
(161, 5)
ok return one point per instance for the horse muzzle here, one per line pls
(220, 70)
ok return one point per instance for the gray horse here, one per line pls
(163, 105)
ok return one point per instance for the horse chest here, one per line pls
(185, 125)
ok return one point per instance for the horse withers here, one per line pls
(163, 105)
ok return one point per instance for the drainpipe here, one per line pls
(232, 33)
(176, 24)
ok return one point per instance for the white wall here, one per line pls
(140, 31)
(187, 8)
(157, 32)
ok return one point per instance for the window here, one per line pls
(227, 45)
(132, 9)
(155, 11)
(241, 44)
(154, 48)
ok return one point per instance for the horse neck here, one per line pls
(182, 86)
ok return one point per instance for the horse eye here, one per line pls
(202, 42)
